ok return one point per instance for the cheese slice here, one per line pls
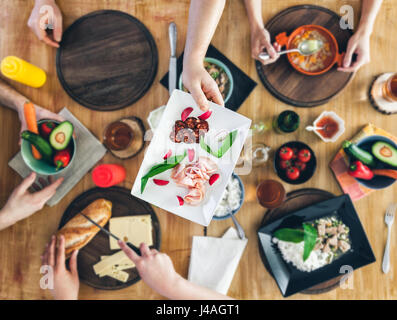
(105, 266)
(120, 267)
(135, 229)
(119, 275)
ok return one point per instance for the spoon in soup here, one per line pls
(305, 48)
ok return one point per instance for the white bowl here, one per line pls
(155, 117)
(338, 119)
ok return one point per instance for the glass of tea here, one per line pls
(383, 93)
(270, 194)
(389, 88)
(118, 136)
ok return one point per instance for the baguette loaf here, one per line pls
(79, 231)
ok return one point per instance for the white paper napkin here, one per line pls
(214, 261)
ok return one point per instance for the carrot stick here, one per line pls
(30, 117)
(386, 172)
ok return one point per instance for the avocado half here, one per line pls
(385, 152)
(61, 135)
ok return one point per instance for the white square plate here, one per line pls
(165, 197)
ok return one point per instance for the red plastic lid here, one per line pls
(107, 175)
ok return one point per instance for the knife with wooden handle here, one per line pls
(172, 67)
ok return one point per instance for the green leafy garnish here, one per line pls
(215, 75)
(290, 235)
(161, 167)
(227, 143)
(310, 236)
(206, 147)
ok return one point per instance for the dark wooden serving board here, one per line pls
(291, 86)
(124, 204)
(295, 201)
(107, 60)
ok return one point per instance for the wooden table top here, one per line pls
(23, 243)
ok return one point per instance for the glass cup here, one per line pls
(270, 194)
(118, 136)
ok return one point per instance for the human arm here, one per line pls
(359, 43)
(260, 37)
(22, 204)
(157, 271)
(36, 22)
(12, 99)
(204, 16)
(66, 282)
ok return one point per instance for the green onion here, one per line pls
(161, 167)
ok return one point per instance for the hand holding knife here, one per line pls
(129, 244)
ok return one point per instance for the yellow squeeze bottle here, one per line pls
(23, 71)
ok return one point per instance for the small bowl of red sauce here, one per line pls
(332, 126)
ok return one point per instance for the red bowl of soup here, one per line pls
(319, 62)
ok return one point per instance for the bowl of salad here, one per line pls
(52, 149)
(220, 73)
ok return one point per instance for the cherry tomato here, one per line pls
(304, 155)
(295, 153)
(293, 173)
(284, 164)
(285, 153)
(301, 166)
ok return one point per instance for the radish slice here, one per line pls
(213, 178)
(186, 113)
(205, 115)
(168, 154)
(181, 201)
(191, 154)
(160, 182)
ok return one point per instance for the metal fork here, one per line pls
(389, 219)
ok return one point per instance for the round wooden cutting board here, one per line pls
(295, 201)
(107, 60)
(291, 86)
(124, 204)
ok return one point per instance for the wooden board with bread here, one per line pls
(101, 263)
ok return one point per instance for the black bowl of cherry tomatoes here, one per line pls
(295, 162)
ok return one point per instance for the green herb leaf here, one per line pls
(215, 75)
(143, 183)
(310, 237)
(227, 143)
(161, 167)
(206, 147)
(289, 235)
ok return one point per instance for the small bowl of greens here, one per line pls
(220, 73)
(55, 143)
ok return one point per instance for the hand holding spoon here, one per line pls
(305, 48)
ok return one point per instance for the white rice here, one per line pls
(293, 253)
(231, 198)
